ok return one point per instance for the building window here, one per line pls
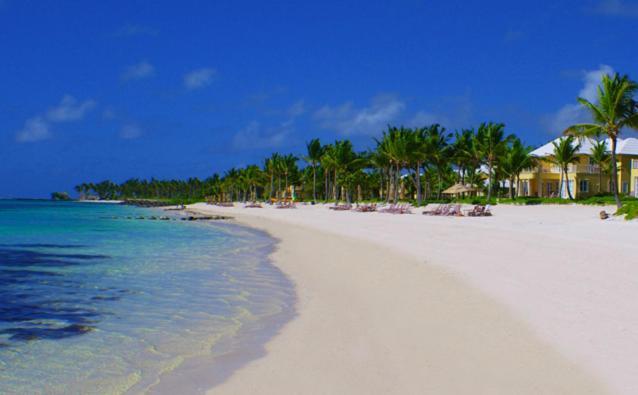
(625, 187)
(634, 163)
(583, 186)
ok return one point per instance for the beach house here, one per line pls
(583, 177)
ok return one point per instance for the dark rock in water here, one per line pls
(105, 298)
(204, 217)
(154, 218)
(145, 203)
(164, 218)
(140, 217)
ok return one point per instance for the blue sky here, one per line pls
(94, 90)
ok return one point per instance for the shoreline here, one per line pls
(233, 351)
(375, 318)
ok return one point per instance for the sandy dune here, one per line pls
(532, 300)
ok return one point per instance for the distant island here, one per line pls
(60, 196)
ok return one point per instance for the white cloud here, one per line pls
(130, 132)
(199, 78)
(69, 109)
(296, 109)
(38, 128)
(138, 71)
(592, 80)
(574, 113)
(616, 8)
(253, 137)
(370, 120)
(35, 129)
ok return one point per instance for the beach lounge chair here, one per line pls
(455, 211)
(476, 211)
(437, 210)
(445, 210)
(404, 209)
(253, 205)
(480, 211)
(341, 207)
(388, 209)
(487, 212)
(366, 208)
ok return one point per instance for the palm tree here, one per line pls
(600, 156)
(516, 159)
(377, 160)
(253, 176)
(438, 152)
(417, 155)
(271, 167)
(462, 151)
(288, 166)
(615, 109)
(314, 153)
(565, 153)
(395, 146)
(346, 163)
(491, 142)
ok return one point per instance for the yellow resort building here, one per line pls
(584, 176)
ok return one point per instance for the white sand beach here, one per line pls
(534, 300)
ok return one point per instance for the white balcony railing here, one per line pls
(586, 169)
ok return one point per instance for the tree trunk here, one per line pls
(569, 192)
(334, 188)
(389, 185)
(614, 173)
(272, 185)
(511, 180)
(397, 177)
(418, 185)
(326, 189)
(518, 185)
(438, 191)
(314, 183)
(600, 179)
(489, 182)
(286, 190)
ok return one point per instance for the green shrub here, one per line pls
(629, 210)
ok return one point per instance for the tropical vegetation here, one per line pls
(415, 164)
(614, 111)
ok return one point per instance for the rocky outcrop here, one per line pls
(145, 203)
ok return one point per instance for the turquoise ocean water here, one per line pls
(92, 302)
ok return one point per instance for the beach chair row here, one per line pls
(451, 210)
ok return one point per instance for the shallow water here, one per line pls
(93, 302)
